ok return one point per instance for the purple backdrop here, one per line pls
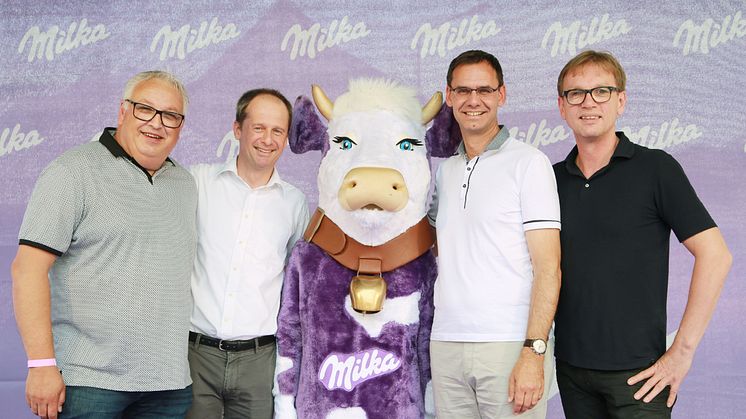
(65, 63)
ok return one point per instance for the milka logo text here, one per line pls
(54, 41)
(13, 141)
(346, 371)
(446, 37)
(578, 35)
(184, 41)
(700, 38)
(540, 135)
(316, 39)
(667, 135)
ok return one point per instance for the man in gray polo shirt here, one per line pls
(101, 277)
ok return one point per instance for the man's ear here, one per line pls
(122, 112)
(622, 103)
(560, 105)
(501, 90)
(236, 129)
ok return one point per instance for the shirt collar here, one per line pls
(497, 141)
(624, 149)
(107, 140)
(275, 181)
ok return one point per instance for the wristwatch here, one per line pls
(539, 346)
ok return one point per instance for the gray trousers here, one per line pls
(231, 384)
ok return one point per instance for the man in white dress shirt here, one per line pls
(248, 220)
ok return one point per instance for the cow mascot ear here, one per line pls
(308, 131)
(444, 135)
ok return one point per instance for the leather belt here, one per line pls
(232, 345)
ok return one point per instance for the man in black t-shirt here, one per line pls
(619, 203)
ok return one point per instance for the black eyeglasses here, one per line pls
(600, 94)
(482, 91)
(144, 112)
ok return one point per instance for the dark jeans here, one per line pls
(595, 394)
(97, 403)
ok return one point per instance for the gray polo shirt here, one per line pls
(125, 243)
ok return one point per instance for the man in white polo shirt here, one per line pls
(497, 218)
(248, 220)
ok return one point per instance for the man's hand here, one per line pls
(526, 383)
(45, 391)
(668, 370)
(712, 261)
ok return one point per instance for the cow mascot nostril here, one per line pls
(354, 324)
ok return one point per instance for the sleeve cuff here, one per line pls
(40, 246)
(541, 224)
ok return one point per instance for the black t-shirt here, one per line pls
(615, 240)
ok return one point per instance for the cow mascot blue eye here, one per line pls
(408, 144)
(344, 142)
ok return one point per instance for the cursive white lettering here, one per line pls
(316, 39)
(446, 37)
(15, 140)
(669, 134)
(55, 41)
(700, 38)
(567, 40)
(187, 40)
(539, 135)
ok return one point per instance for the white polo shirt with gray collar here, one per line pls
(125, 242)
(481, 210)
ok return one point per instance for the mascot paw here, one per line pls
(429, 401)
(285, 407)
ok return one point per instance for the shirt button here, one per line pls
(463, 186)
(468, 169)
(587, 185)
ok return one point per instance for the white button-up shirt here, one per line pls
(244, 237)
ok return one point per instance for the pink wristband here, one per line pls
(49, 362)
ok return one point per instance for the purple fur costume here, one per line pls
(333, 362)
(314, 324)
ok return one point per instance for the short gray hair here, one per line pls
(159, 75)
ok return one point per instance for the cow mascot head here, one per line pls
(353, 330)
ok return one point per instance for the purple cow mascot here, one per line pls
(356, 311)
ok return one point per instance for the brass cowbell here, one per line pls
(367, 293)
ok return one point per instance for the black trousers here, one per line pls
(594, 394)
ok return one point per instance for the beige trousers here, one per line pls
(470, 379)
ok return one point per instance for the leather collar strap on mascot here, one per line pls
(361, 351)
(367, 288)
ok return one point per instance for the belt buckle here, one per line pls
(220, 345)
